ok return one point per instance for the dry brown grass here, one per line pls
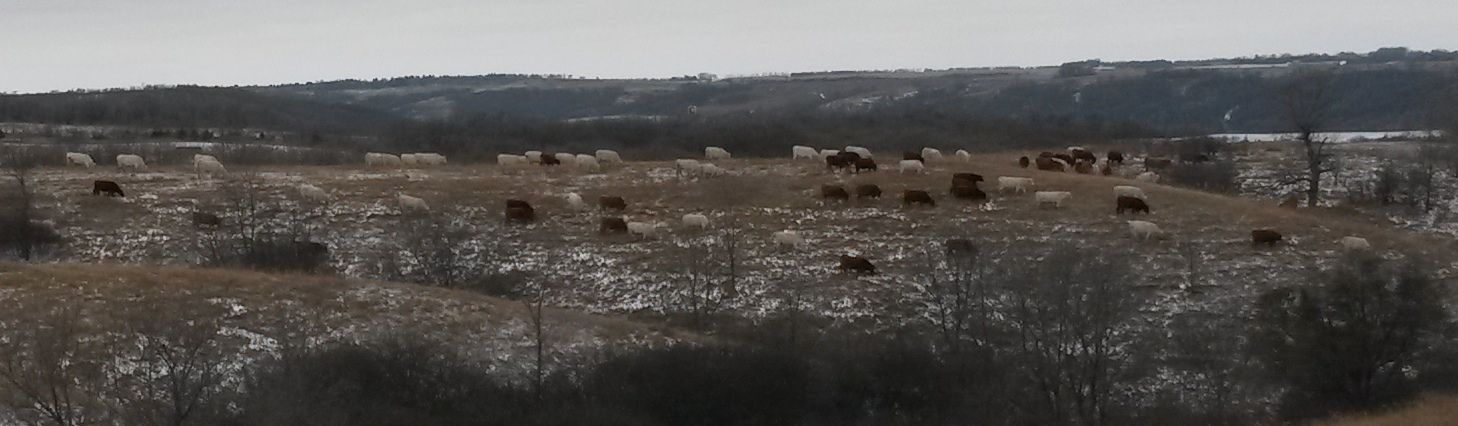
(1431, 411)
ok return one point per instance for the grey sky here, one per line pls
(63, 44)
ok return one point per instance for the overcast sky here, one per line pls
(65, 44)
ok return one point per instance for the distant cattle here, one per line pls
(1056, 198)
(1049, 164)
(211, 168)
(1067, 159)
(643, 229)
(409, 159)
(1017, 184)
(862, 152)
(512, 159)
(129, 161)
(1150, 177)
(931, 154)
(865, 164)
(914, 166)
(912, 155)
(407, 202)
(587, 162)
(1355, 244)
(834, 192)
(710, 169)
(1116, 157)
(716, 153)
(565, 159)
(1144, 230)
(696, 221)
(788, 238)
(613, 225)
(575, 201)
(548, 159)
(520, 212)
(868, 190)
(968, 191)
(1129, 191)
(79, 159)
(911, 197)
(1131, 204)
(800, 151)
(827, 153)
(690, 167)
(1024, 162)
(534, 157)
(1083, 167)
(430, 159)
(608, 156)
(382, 159)
(1264, 236)
(964, 156)
(611, 203)
(841, 161)
(1081, 154)
(206, 219)
(111, 189)
(859, 265)
(311, 192)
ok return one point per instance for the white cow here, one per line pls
(1056, 198)
(575, 201)
(1018, 184)
(1129, 191)
(912, 166)
(689, 166)
(931, 154)
(79, 159)
(535, 157)
(1066, 166)
(642, 229)
(211, 168)
(800, 151)
(587, 162)
(608, 156)
(430, 159)
(311, 192)
(1355, 244)
(409, 159)
(512, 160)
(710, 169)
(198, 158)
(129, 161)
(964, 156)
(1150, 177)
(381, 159)
(1144, 230)
(716, 153)
(864, 153)
(412, 203)
(566, 159)
(696, 220)
(788, 238)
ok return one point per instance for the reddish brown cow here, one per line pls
(842, 160)
(550, 160)
(1116, 157)
(859, 265)
(834, 191)
(865, 164)
(1106, 170)
(1065, 157)
(612, 203)
(1132, 204)
(1082, 155)
(520, 214)
(1024, 162)
(912, 196)
(1046, 154)
(613, 225)
(1264, 236)
(868, 190)
(517, 203)
(1047, 163)
(107, 187)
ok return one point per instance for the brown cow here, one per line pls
(520, 214)
(1065, 157)
(517, 203)
(1264, 236)
(859, 265)
(842, 160)
(206, 219)
(1046, 154)
(550, 160)
(971, 177)
(865, 164)
(611, 203)
(613, 225)
(1047, 163)
(107, 187)
(834, 191)
(912, 196)
(1132, 204)
(912, 155)
(868, 190)
(1116, 157)
(1024, 162)
(1082, 155)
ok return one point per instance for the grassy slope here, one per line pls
(1435, 411)
(265, 312)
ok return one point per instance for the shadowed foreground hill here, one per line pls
(259, 314)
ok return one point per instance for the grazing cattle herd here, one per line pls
(851, 160)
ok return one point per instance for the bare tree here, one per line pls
(439, 251)
(178, 368)
(1306, 100)
(46, 368)
(957, 288)
(19, 231)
